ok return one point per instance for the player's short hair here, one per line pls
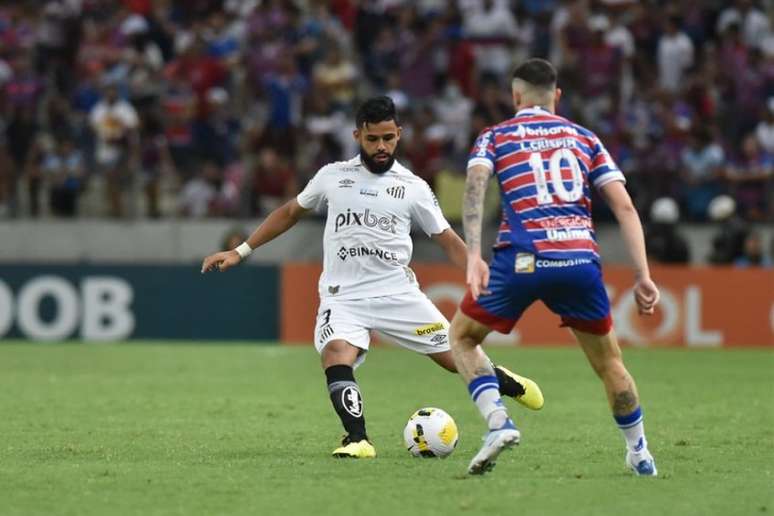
(537, 72)
(375, 110)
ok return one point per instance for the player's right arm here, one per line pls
(278, 221)
(477, 276)
(480, 166)
(617, 198)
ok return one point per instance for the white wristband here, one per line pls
(243, 250)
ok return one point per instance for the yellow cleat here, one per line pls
(532, 396)
(355, 450)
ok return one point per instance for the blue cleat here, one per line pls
(641, 463)
(494, 443)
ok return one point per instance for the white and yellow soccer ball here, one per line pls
(430, 432)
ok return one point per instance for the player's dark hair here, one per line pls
(537, 72)
(375, 110)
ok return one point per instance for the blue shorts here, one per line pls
(571, 288)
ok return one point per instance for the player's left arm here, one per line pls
(617, 198)
(453, 246)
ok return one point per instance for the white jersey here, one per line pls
(367, 240)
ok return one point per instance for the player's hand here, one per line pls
(646, 295)
(477, 275)
(221, 261)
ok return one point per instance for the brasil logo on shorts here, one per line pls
(430, 328)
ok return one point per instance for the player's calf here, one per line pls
(605, 358)
(337, 357)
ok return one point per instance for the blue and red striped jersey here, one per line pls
(546, 166)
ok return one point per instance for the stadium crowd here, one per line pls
(203, 108)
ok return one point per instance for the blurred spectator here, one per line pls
(752, 179)
(728, 242)
(702, 163)
(423, 145)
(675, 55)
(216, 133)
(619, 37)
(453, 110)
(396, 92)
(154, 160)
(273, 182)
(20, 137)
(664, 242)
(115, 123)
(601, 65)
(764, 131)
(284, 90)
(198, 198)
(26, 86)
(196, 68)
(61, 171)
(494, 31)
(754, 23)
(324, 126)
(383, 57)
(753, 253)
(418, 57)
(178, 111)
(336, 75)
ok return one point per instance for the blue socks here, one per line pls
(633, 430)
(485, 392)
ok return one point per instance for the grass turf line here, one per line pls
(189, 429)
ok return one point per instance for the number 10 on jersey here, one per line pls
(555, 166)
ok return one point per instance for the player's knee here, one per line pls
(461, 334)
(338, 352)
(465, 331)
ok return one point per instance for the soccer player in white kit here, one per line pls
(372, 201)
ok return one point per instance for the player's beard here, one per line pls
(377, 167)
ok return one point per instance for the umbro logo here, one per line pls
(439, 339)
(346, 183)
(399, 192)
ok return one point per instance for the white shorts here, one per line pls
(411, 319)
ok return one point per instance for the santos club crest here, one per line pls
(399, 192)
(350, 398)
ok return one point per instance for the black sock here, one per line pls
(508, 386)
(347, 401)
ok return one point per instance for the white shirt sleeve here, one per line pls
(95, 117)
(313, 196)
(426, 212)
(127, 112)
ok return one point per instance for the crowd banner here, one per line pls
(115, 303)
(701, 307)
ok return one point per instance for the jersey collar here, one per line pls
(532, 111)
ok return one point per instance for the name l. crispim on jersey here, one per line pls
(546, 166)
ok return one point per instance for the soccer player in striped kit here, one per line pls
(546, 167)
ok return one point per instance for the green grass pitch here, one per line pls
(247, 429)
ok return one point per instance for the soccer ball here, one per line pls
(430, 432)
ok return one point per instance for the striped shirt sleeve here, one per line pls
(483, 151)
(603, 168)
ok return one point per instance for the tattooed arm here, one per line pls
(473, 216)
